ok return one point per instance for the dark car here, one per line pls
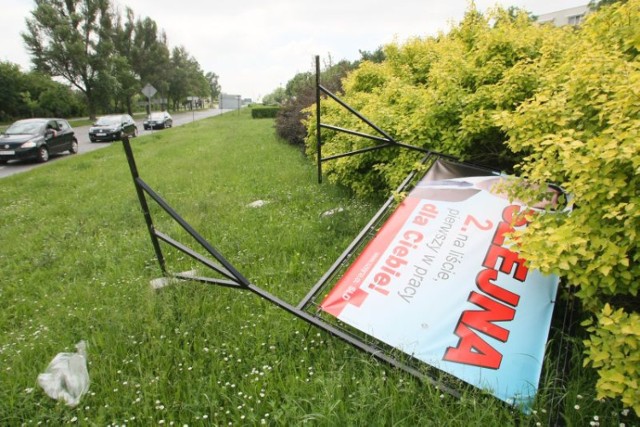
(37, 139)
(113, 128)
(158, 120)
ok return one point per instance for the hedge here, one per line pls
(548, 104)
(266, 112)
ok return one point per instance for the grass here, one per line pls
(76, 261)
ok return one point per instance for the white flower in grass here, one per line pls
(576, 407)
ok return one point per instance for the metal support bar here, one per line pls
(195, 255)
(238, 281)
(362, 150)
(189, 229)
(357, 241)
(386, 139)
(354, 132)
(210, 281)
(318, 130)
(143, 204)
(357, 114)
(354, 341)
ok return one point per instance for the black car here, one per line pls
(37, 139)
(112, 128)
(158, 120)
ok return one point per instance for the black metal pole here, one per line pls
(318, 142)
(357, 114)
(143, 204)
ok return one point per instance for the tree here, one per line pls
(276, 97)
(214, 85)
(128, 83)
(376, 56)
(150, 57)
(11, 87)
(72, 39)
(187, 78)
(300, 94)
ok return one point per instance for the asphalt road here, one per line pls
(82, 133)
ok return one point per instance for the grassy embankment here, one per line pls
(76, 261)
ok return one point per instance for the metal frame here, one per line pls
(384, 141)
(234, 279)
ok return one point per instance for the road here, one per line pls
(85, 146)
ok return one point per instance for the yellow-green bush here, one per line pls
(440, 93)
(582, 130)
(551, 104)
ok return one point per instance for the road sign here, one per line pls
(149, 90)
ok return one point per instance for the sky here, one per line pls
(256, 46)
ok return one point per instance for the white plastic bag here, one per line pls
(67, 377)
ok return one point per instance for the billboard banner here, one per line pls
(440, 282)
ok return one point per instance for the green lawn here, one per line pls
(76, 262)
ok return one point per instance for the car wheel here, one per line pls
(43, 154)
(74, 146)
(3, 161)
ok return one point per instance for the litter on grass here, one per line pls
(67, 378)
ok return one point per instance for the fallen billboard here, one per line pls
(441, 282)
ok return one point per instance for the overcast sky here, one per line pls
(254, 46)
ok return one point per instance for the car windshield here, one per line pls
(156, 116)
(28, 127)
(108, 121)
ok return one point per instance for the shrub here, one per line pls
(438, 93)
(301, 94)
(553, 105)
(581, 130)
(268, 112)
